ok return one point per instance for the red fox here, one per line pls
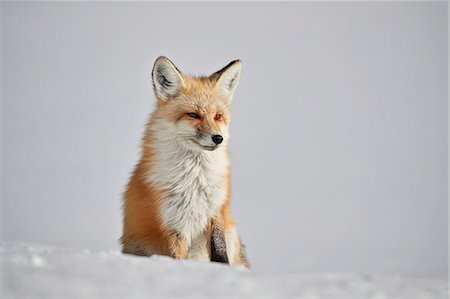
(177, 202)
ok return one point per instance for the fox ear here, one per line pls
(167, 79)
(228, 78)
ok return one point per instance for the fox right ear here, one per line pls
(167, 79)
(228, 78)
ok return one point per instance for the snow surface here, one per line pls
(43, 271)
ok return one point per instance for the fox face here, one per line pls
(196, 110)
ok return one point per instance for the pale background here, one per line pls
(339, 134)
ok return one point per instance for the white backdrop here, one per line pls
(339, 134)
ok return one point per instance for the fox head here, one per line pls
(195, 110)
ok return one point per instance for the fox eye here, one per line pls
(218, 116)
(193, 115)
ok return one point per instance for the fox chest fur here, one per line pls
(195, 182)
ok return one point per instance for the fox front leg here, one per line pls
(177, 246)
(218, 244)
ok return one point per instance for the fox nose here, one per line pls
(217, 139)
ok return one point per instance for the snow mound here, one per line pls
(43, 271)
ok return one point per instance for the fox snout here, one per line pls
(209, 141)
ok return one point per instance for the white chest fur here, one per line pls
(195, 180)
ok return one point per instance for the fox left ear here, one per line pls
(228, 78)
(167, 79)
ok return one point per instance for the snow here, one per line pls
(45, 271)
